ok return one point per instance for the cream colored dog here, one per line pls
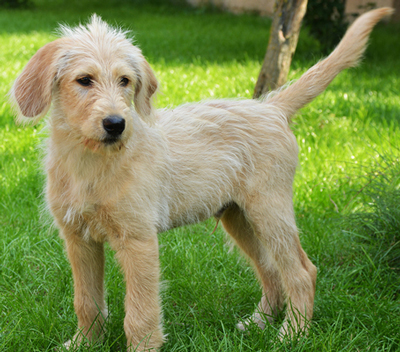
(123, 172)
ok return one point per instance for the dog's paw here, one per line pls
(70, 345)
(291, 332)
(67, 345)
(256, 318)
(73, 344)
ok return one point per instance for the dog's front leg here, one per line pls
(87, 262)
(140, 263)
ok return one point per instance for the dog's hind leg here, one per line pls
(87, 263)
(139, 260)
(272, 218)
(237, 226)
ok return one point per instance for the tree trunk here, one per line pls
(396, 16)
(283, 39)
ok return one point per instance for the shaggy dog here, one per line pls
(118, 170)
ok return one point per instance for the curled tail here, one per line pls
(347, 54)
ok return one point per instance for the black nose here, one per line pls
(114, 125)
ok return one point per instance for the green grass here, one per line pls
(344, 135)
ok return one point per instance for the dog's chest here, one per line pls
(81, 210)
(92, 221)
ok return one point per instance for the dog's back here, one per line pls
(217, 149)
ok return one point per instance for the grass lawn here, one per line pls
(347, 137)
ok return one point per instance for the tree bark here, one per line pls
(396, 15)
(282, 44)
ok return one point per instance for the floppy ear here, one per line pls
(145, 88)
(31, 92)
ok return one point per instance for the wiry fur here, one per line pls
(235, 159)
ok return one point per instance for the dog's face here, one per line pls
(91, 75)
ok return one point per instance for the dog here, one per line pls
(121, 171)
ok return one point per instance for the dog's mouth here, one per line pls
(114, 143)
(110, 140)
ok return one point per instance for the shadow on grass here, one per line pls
(167, 32)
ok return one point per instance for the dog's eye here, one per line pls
(85, 81)
(124, 81)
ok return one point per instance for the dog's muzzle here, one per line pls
(114, 125)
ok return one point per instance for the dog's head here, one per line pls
(92, 74)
